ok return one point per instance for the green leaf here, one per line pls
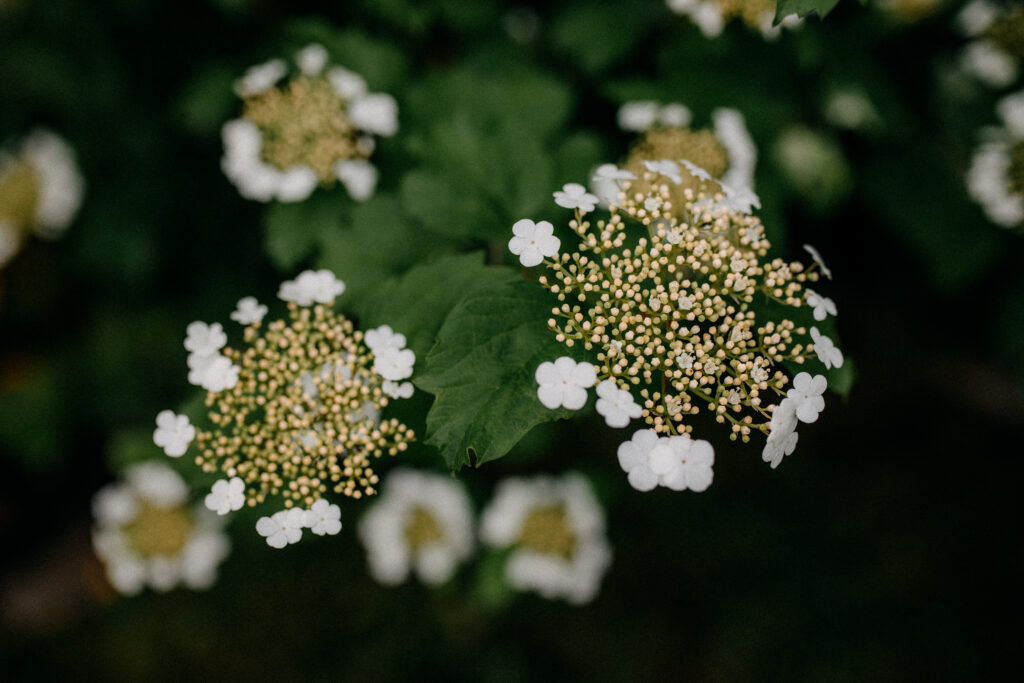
(417, 303)
(444, 207)
(804, 7)
(598, 35)
(293, 230)
(482, 372)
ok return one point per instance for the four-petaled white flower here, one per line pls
(310, 286)
(312, 59)
(249, 311)
(214, 373)
(575, 196)
(173, 433)
(695, 170)
(261, 78)
(358, 176)
(205, 339)
(376, 113)
(394, 364)
(226, 496)
(822, 305)
(396, 390)
(667, 168)
(533, 242)
(613, 173)
(806, 395)
(817, 259)
(282, 527)
(827, 351)
(383, 338)
(564, 383)
(616, 405)
(322, 518)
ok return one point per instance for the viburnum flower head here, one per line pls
(305, 127)
(173, 433)
(146, 534)
(422, 524)
(662, 296)
(41, 189)
(301, 415)
(554, 529)
(564, 383)
(533, 242)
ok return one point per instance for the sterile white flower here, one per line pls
(226, 496)
(282, 528)
(826, 349)
(638, 116)
(214, 373)
(394, 364)
(613, 173)
(564, 383)
(616, 405)
(348, 84)
(295, 184)
(260, 78)
(575, 196)
(533, 242)
(822, 305)
(695, 170)
(782, 438)
(731, 131)
(310, 287)
(555, 529)
(817, 259)
(674, 115)
(249, 311)
(383, 338)
(396, 390)
(173, 433)
(806, 395)
(667, 168)
(323, 518)
(359, 177)
(312, 59)
(989, 64)
(421, 523)
(376, 113)
(204, 339)
(59, 184)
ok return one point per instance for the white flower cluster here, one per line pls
(285, 527)
(555, 529)
(422, 524)
(997, 162)
(676, 462)
(147, 534)
(45, 190)
(710, 16)
(983, 57)
(365, 114)
(803, 403)
(391, 360)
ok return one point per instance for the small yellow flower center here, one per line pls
(19, 194)
(750, 11)
(304, 123)
(421, 529)
(546, 530)
(159, 531)
(1007, 31)
(700, 147)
